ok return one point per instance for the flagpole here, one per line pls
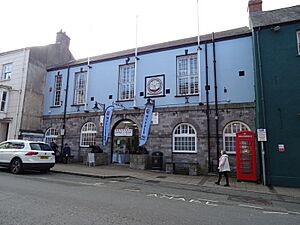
(135, 61)
(198, 54)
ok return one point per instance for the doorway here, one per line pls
(125, 141)
(4, 131)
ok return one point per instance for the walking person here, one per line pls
(54, 147)
(66, 153)
(224, 168)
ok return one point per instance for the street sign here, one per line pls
(261, 135)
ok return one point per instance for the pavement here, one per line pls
(202, 182)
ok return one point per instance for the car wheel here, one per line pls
(16, 166)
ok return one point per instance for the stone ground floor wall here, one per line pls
(161, 134)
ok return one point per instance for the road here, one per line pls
(46, 199)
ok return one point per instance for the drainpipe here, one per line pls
(87, 84)
(64, 115)
(262, 105)
(135, 62)
(207, 108)
(216, 98)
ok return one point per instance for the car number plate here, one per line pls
(44, 157)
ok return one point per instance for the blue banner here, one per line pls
(106, 123)
(146, 123)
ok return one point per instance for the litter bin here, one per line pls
(157, 160)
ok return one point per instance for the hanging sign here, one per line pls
(106, 124)
(155, 118)
(126, 132)
(146, 123)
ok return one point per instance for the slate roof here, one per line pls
(229, 34)
(274, 17)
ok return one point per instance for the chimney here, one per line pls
(254, 6)
(62, 39)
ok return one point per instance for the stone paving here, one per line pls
(113, 170)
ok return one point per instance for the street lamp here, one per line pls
(96, 108)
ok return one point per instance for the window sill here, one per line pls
(55, 106)
(184, 152)
(178, 96)
(127, 100)
(75, 105)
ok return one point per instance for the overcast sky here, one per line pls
(103, 26)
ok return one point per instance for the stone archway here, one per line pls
(125, 139)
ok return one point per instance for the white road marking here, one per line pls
(99, 183)
(293, 212)
(281, 213)
(251, 206)
(132, 190)
(113, 181)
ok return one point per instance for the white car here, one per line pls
(20, 155)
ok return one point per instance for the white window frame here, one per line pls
(298, 41)
(57, 90)
(51, 135)
(88, 134)
(6, 71)
(183, 131)
(126, 82)
(4, 102)
(233, 127)
(187, 75)
(80, 88)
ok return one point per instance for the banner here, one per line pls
(106, 123)
(146, 123)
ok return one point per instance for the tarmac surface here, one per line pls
(206, 183)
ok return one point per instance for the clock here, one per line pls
(154, 86)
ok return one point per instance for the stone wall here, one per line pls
(160, 138)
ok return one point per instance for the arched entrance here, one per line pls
(125, 141)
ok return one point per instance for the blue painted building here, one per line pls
(197, 110)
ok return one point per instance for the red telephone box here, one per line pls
(245, 156)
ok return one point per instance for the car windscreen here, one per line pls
(40, 146)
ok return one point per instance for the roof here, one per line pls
(277, 16)
(229, 34)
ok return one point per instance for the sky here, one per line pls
(103, 26)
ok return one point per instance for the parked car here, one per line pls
(20, 155)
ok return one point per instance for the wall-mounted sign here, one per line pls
(281, 148)
(125, 132)
(154, 118)
(155, 86)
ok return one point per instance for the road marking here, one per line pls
(206, 200)
(113, 181)
(99, 183)
(281, 213)
(251, 206)
(293, 212)
(132, 190)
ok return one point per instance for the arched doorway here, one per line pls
(125, 141)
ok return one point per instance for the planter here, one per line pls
(100, 158)
(139, 162)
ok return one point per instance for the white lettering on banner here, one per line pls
(126, 132)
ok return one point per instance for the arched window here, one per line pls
(88, 135)
(51, 135)
(229, 134)
(185, 139)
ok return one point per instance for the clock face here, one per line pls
(154, 86)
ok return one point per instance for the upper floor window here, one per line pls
(88, 135)
(57, 91)
(298, 41)
(187, 75)
(3, 100)
(6, 71)
(51, 135)
(229, 135)
(126, 82)
(185, 139)
(80, 88)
